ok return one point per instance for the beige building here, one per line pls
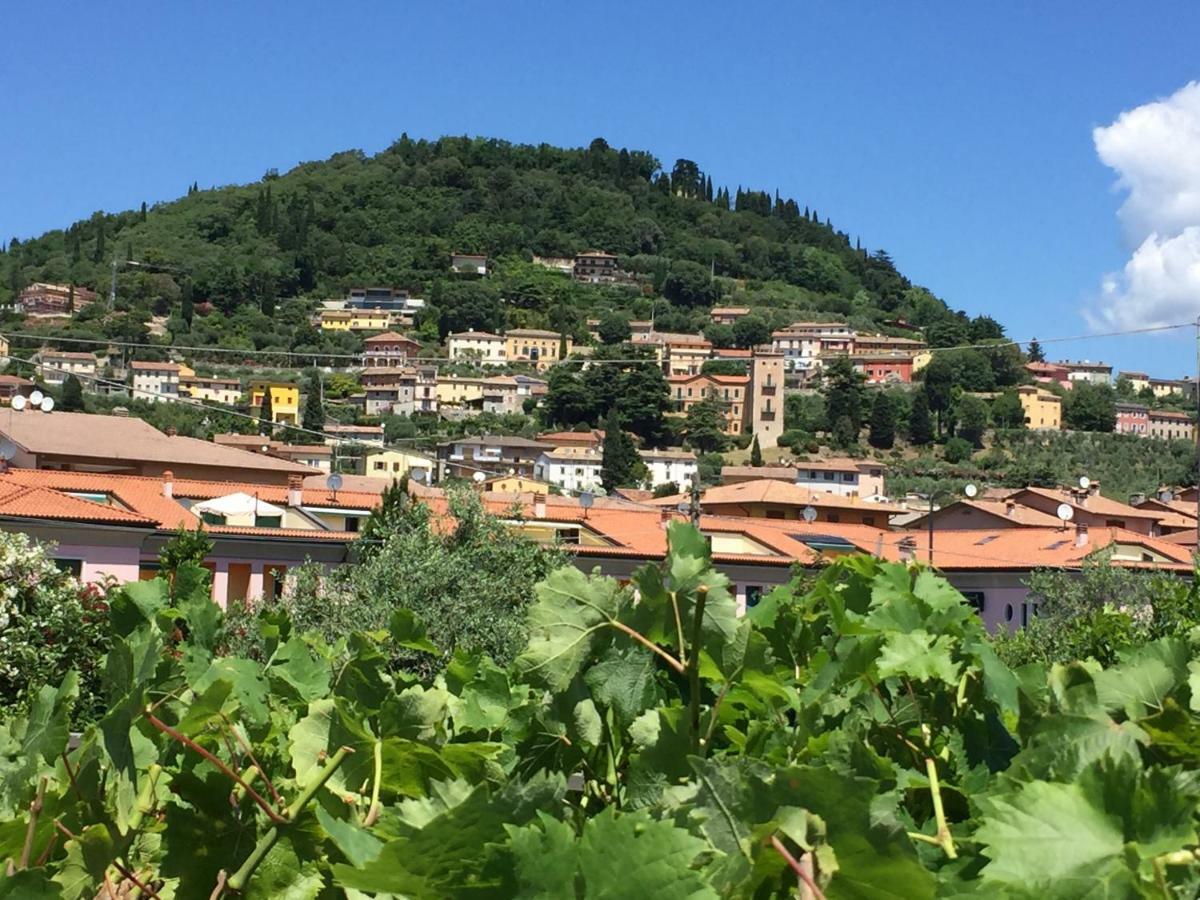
(55, 365)
(730, 391)
(1171, 426)
(1043, 408)
(157, 381)
(460, 392)
(393, 464)
(481, 346)
(534, 345)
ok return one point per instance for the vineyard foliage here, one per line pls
(858, 738)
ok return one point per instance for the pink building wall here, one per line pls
(100, 562)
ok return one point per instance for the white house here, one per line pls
(570, 468)
(676, 467)
(155, 380)
(478, 346)
(54, 367)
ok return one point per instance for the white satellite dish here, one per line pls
(333, 482)
(47, 404)
(809, 514)
(586, 500)
(479, 476)
(970, 490)
(1084, 482)
(1065, 512)
(7, 449)
(19, 403)
(684, 507)
(36, 398)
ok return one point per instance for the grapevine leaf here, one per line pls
(362, 680)
(285, 873)
(632, 855)
(1140, 684)
(545, 859)
(29, 884)
(249, 686)
(206, 706)
(318, 736)
(1046, 832)
(357, 844)
(570, 609)
(918, 655)
(624, 681)
(296, 666)
(588, 728)
(408, 631)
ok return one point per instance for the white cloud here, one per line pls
(1155, 151)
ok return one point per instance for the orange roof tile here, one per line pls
(43, 503)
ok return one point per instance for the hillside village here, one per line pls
(286, 487)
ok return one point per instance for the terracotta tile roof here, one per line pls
(301, 534)
(121, 439)
(389, 337)
(730, 310)
(155, 366)
(43, 503)
(1018, 515)
(771, 491)
(1097, 504)
(475, 336)
(531, 333)
(67, 354)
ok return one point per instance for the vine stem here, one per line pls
(944, 838)
(188, 742)
(373, 810)
(693, 667)
(35, 810)
(239, 879)
(679, 628)
(801, 870)
(648, 644)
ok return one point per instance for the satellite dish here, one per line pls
(333, 482)
(683, 506)
(1084, 482)
(970, 490)
(1166, 496)
(479, 476)
(809, 514)
(47, 404)
(19, 403)
(7, 449)
(586, 500)
(1065, 512)
(36, 398)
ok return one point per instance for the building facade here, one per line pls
(157, 381)
(479, 346)
(491, 454)
(1132, 418)
(54, 366)
(534, 345)
(676, 467)
(42, 299)
(570, 468)
(285, 400)
(225, 391)
(1043, 408)
(389, 349)
(596, 267)
(1171, 426)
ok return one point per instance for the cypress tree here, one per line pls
(143, 210)
(313, 419)
(71, 298)
(98, 255)
(71, 397)
(187, 307)
(621, 464)
(265, 413)
(562, 345)
(756, 458)
(920, 426)
(883, 423)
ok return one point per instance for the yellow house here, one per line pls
(335, 320)
(455, 391)
(393, 464)
(370, 320)
(533, 345)
(226, 391)
(1043, 408)
(921, 359)
(514, 484)
(285, 400)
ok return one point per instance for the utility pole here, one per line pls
(695, 504)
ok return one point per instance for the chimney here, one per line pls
(908, 549)
(665, 516)
(539, 505)
(1094, 488)
(1010, 508)
(1081, 535)
(1137, 499)
(295, 494)
(168, 487)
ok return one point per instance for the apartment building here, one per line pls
(676, 467)
(1172, 387)
(392, 464)
(596, 267)
(1138, 381)
(383, 298)
(225, 391)
(285, 400)
(804, 344)
(1171, 426)
(534, 345)
(730, 391)
(478, 346)
(55, 365)
(1086, 370)
(389, 349)
(1043, 408)
(1132, 418)
(895, 367)
(157, 381)
(370, 435)
(570, 468)
(494, 454)
(842, 476)
(727, 315)
(14, 386)
(48, 300)
(387, 390)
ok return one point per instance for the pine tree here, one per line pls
(883, 423)
(621, 465)
(313, 419)
(920, 425)
(756, 458)
(71, 397)
(1036, 354)
(266, 414)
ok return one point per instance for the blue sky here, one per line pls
(959, 137)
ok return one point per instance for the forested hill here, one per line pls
(395, 218)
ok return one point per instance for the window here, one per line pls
(976, 599)
(754, 593)
(212, 518)
(70, 566)
(352, 523)
(268, 521)
(1114, 523)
